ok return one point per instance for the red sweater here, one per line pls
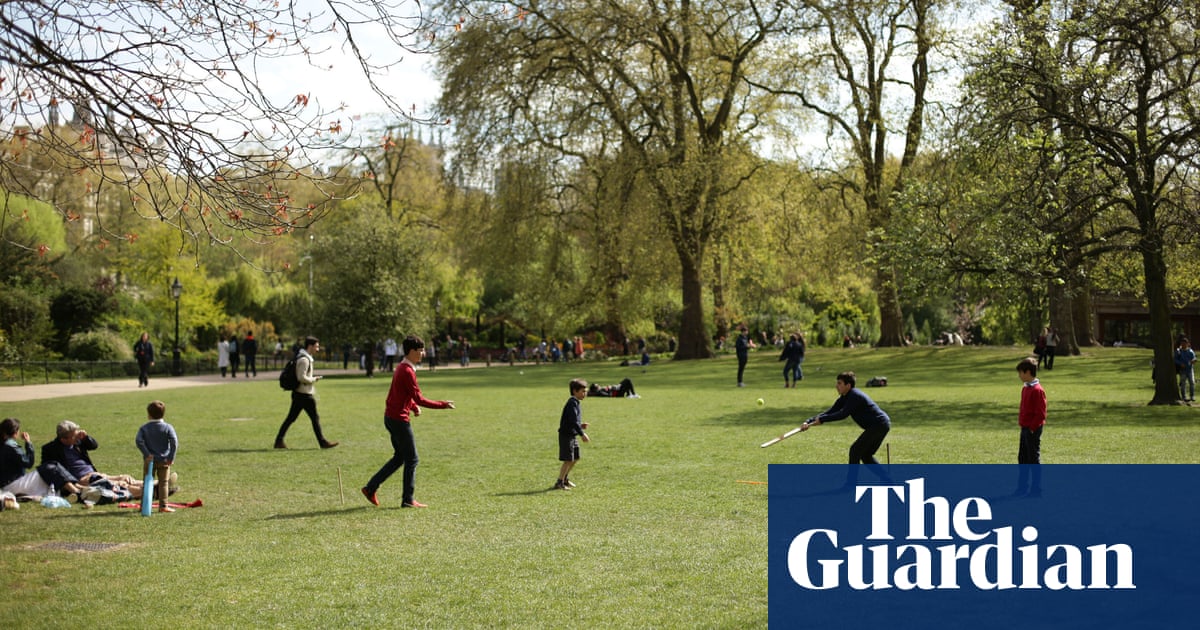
(1033, 406)
(404, 395)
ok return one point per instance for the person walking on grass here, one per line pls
(571, 427)
(304, 396)
(741, 348)
(854, 403)
(1185, 359)
(1031, 417)
(792, 355)
(158, 443)
(404, 399)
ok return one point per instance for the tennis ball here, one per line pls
(761, 402)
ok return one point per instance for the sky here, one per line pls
(335, 82)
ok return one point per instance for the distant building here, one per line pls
(1125, 320)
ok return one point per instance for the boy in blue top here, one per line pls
(571, 426)
(158, 443)
(1185, 358)
(854, 403)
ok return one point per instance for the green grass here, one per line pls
(657, 535)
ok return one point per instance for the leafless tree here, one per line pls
(171, 102)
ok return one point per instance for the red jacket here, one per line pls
(1033, 406)
(404, 395)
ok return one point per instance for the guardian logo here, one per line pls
(955, 546)
(984, 557)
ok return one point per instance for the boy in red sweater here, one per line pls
(1031, 418)
(404, 398)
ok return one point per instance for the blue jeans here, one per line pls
(405, 456)
(1187, 377)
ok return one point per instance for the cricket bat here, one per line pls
(781, 438)
(148, 489)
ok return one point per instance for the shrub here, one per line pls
(101, 345)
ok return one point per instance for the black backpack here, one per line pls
(287, 378)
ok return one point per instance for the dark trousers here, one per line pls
(1029, 456)
(405, 456)
(790, 370)
(1049, 357)
(251, 366)
(742, 366)
(863, 450)
(143, 372)
(308, 404)
(233, 364)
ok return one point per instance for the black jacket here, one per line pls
(54, 451)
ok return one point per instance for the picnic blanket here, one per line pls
(138, 505)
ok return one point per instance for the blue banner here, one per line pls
(983, 546)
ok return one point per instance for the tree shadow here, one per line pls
(959, 415)
(297, 515)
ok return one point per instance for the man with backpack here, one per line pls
(304, 395)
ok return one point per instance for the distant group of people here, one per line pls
(231, 351)
(1046, 347)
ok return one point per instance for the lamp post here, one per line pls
(176, 291)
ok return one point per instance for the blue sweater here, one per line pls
(857, 405)
(157, 438)
(571, 422)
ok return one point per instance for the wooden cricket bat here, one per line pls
(780, 438)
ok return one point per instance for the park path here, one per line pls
(18, 393)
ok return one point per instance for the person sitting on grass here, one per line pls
(70, 449)
(16, 459)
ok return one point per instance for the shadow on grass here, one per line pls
(526, 493)
(959, 415)
(288, 517)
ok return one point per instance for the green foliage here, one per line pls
(25, 318)
(31, 224)
(78, 309)
(243, 292)
(371, 279)
(99, 345)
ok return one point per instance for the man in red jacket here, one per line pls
(404, 398)
(1032, 418)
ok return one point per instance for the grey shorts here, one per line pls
(568, 448)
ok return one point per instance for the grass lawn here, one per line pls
(658, 534)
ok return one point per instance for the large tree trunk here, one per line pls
(1061, 319)
(693, 338)
(891, 319)
(1085, 323)
(1166, 390)
(720, 308)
